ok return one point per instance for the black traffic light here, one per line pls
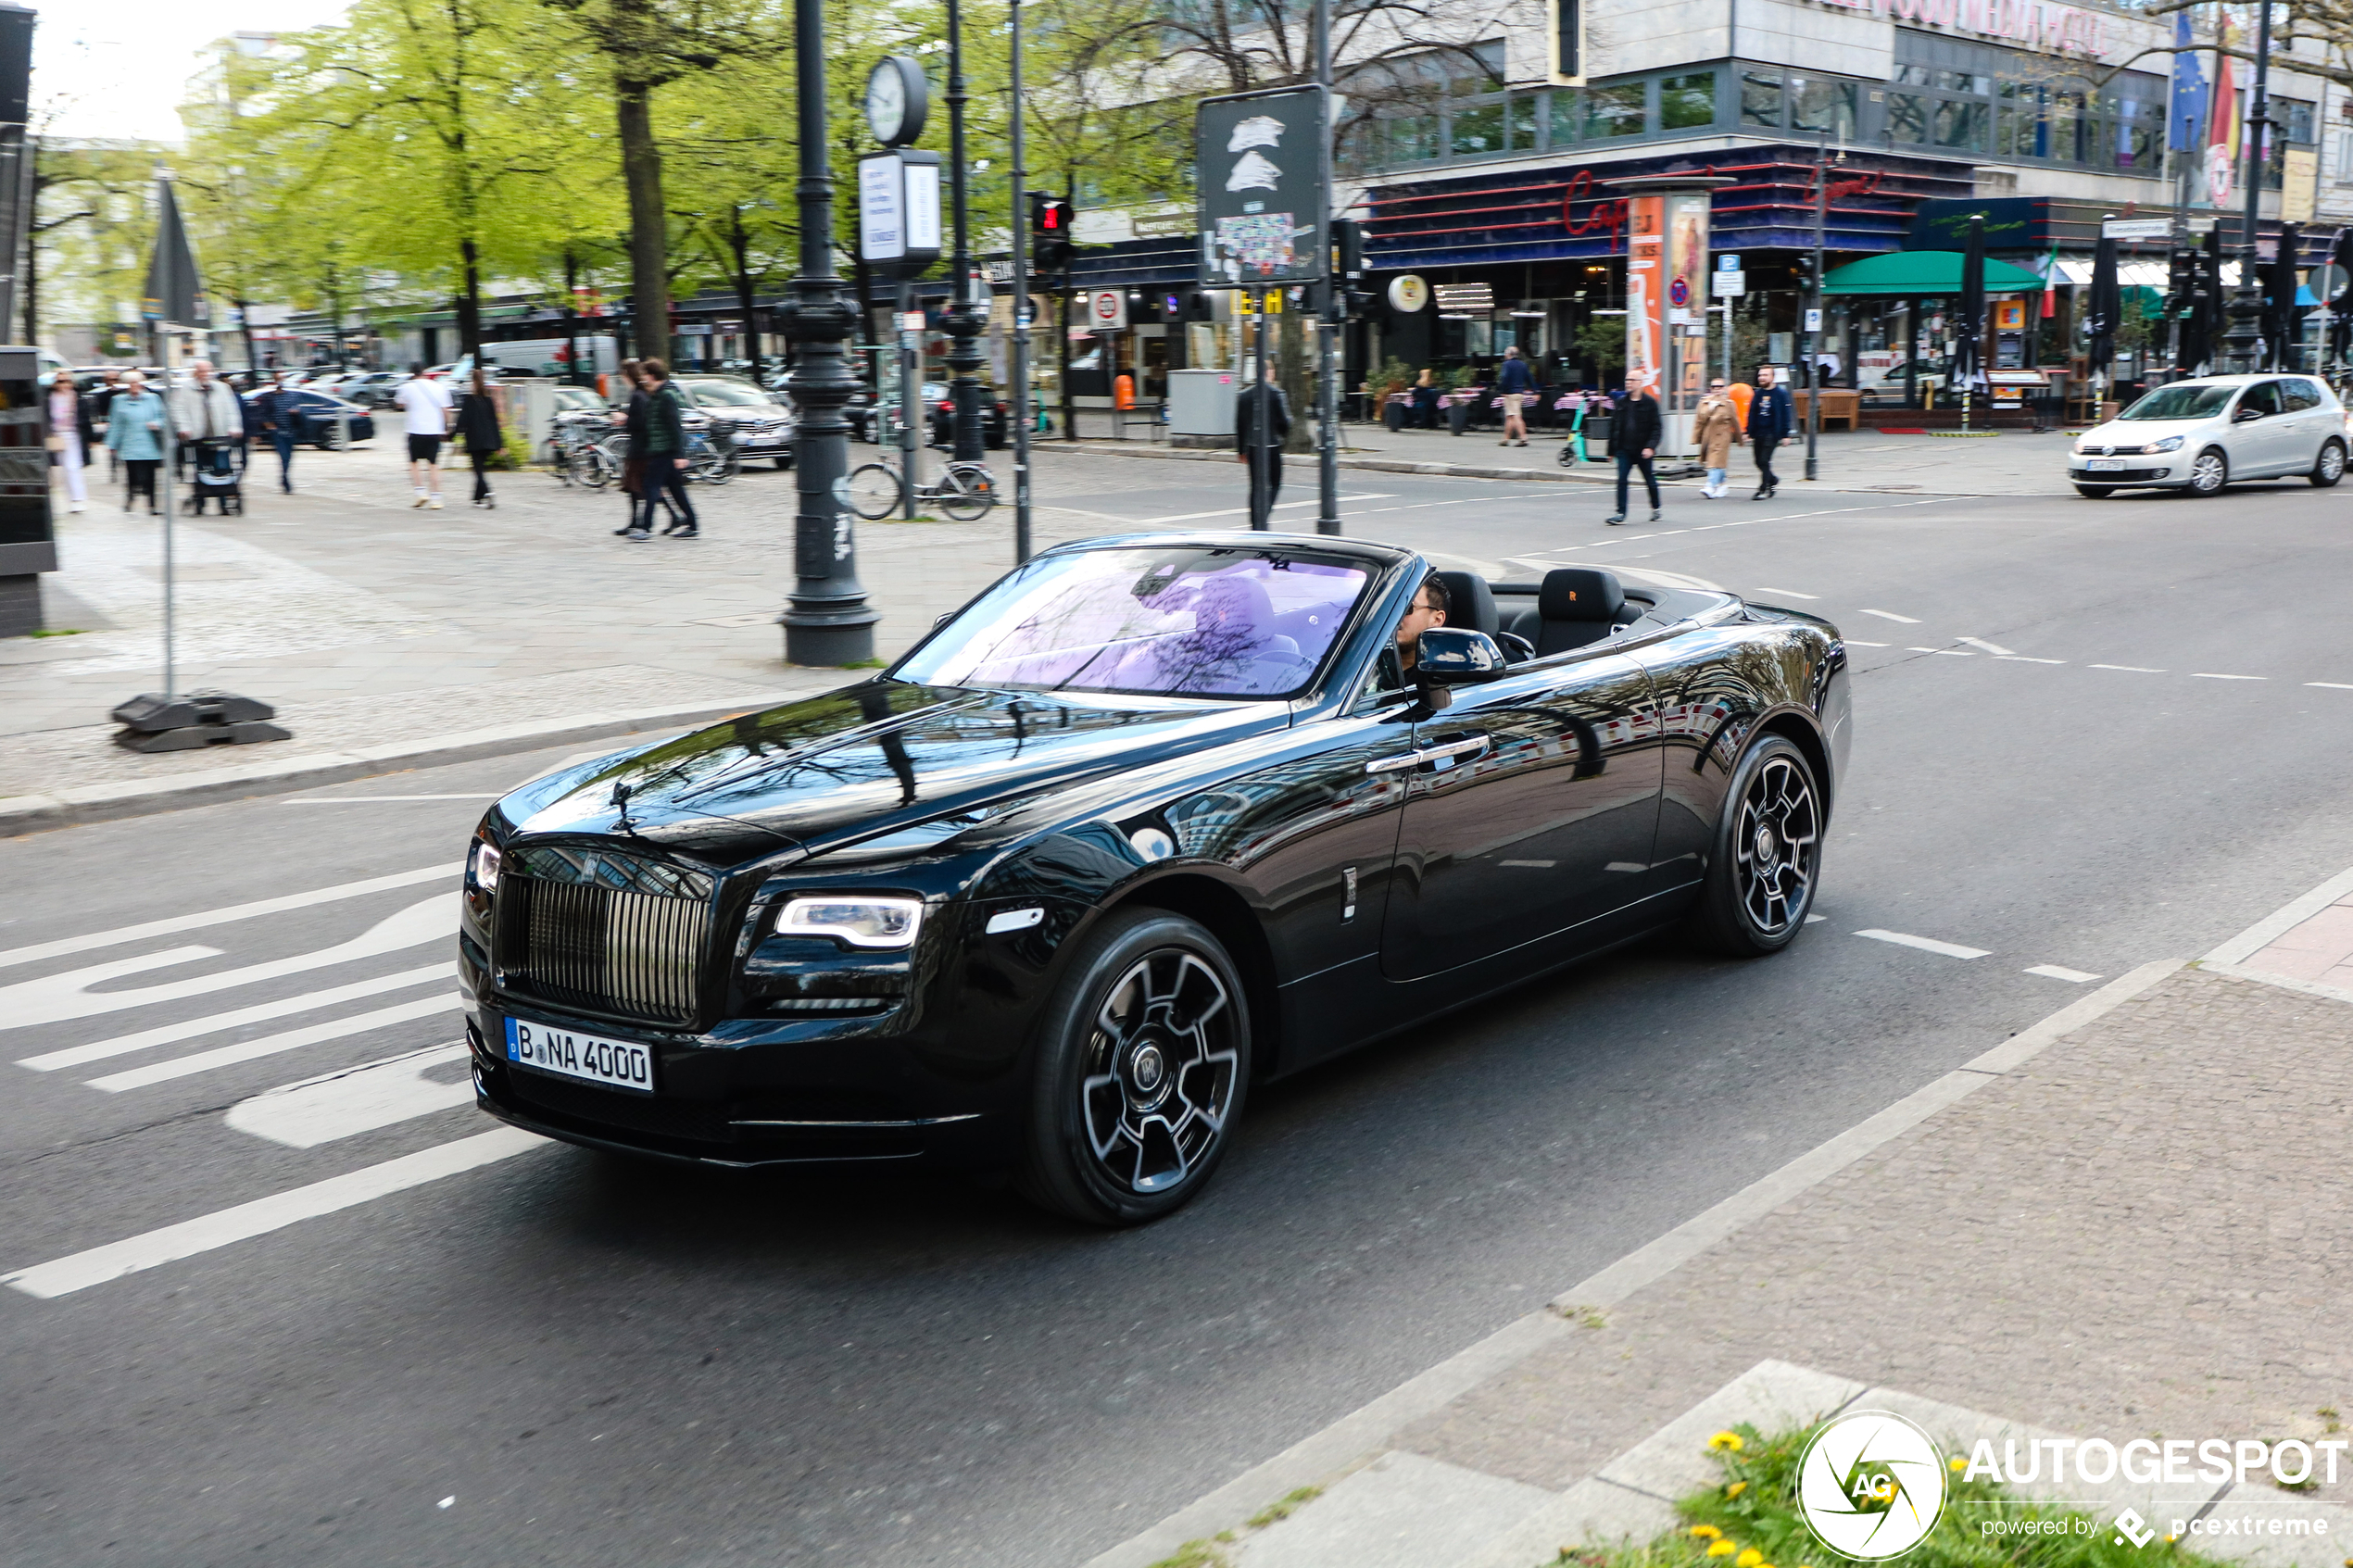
(2181, 284)
(1050, 220)
(1356, 302)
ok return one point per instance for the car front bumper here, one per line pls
(2170, 467)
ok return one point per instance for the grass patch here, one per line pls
(60, 631)
(1750, 1520)
(1283, 1507)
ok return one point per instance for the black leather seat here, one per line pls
(1469, 604)
(1578, 605)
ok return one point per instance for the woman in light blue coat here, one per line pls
(135, 429)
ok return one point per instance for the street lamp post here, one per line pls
(829, 621)
(2247, 300)
(1021, 302)
(964, 321)
(1327, 319)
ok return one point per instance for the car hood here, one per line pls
(869, 761)
(2124, 433)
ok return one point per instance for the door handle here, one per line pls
(1472, 746)
(1391, 764)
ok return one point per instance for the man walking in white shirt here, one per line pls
(426, 404)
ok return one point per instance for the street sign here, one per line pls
(1728, 286)
(1407, 293)
(2327, 282)
(1813, 320)
(1727, 263)
(898, 208)
(1107, 309)
(1264, 210)
(2136, 227)
(1679, 293)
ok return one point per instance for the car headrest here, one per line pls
(1469, 604)
(1579, 592)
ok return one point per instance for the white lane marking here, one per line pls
(375, 799)
(1925, 944)
(80, 1270)
(59, 948)
(310, 1001)
(1860, 643)
(2333, 685)
(1279, 506)
(2057, 971)
(56, 997)
(271, 1045)
(1984, 646)
(2022, 659)
(2132, 668)
(2209, 675)
(1891, 615)
(1789, 593)
(1816, 919)
(1956, 653)
(358, 1099)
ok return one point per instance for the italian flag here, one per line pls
(2050, 283)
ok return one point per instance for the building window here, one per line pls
(1477, 129)
(1907, 116)
(1621, 110)
(1687, 102)
(1818, 103)
(1565, 118)
(1761, 99)
(1961, 127)
(1525, 111)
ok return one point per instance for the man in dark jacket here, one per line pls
(277, 413)
(1515, 390)
(1771, 420)
(1635, 428)
(657, 438)
(1261, 448)
(478, 429)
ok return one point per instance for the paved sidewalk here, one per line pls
(2006, 463)
(2139, 1230)
(367, 620)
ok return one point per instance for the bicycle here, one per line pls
(711, 461)
(964, 492)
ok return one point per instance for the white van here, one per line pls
(546, 357)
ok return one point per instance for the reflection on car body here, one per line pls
(1151, 821)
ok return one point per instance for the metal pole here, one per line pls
(1327, 318)
(828, 622)
(964, 321)
(1021, 304)
(1262, 511)
(2247, 300)
(912, 412)
(1813, 368)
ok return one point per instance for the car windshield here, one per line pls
(716, 391)
(2185, 400)
(1175, 622)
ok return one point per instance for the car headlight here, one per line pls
(2080, 448)
(863, 921)
(2170, 443)
(485, 866)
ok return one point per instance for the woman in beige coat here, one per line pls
(1716, 427)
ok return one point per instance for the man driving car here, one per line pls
(1428, 610)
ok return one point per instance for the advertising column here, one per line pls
(1686, 315)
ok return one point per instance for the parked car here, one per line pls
(1150, 822)
(994, 414)
(373, 388)
(315, 414)
(861, 410)
(762, 424)
(2203, 433)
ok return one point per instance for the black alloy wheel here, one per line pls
(2208, 472)
(2330, 466)
(1767, 854)
(1143, 1060)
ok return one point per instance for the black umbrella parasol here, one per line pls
(2340, 299)
(174, 291)
(2102, 306)
(2283, 321)
(1968, 355)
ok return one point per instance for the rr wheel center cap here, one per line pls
(1148, 1075)
(1767, 848)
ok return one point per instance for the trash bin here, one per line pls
(1458, 417)
(1393, 416)
(1596, 431)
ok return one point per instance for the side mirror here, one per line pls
(1449, 655)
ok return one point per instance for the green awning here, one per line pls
(1924, 273)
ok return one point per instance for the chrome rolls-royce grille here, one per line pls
(603, 931)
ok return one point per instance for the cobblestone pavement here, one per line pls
(2141, 1230)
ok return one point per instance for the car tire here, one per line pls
(2209, 471)
(1141, 1063)
(2096, 492)
(782, 463)
(2329, 467)
(1766, 858)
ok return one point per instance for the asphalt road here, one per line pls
(2093, 737)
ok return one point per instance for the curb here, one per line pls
(1355, 1440)
(97, 803)
(1374, 465)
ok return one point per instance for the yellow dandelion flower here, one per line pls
(1721, 1549)
(1735, 1489)
(1749, 1559)
(1957, 1465)
(1706, 1533)
(1727, 1443)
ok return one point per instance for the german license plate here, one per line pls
(619, 1064)
(2106, 465)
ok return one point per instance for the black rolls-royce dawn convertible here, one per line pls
(1151, 821)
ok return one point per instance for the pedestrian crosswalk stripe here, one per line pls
(271, 1045)
(168, 1033)
(80, 1270)
(356, 1099)
(69, 944)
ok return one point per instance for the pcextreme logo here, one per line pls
(1870, 1485)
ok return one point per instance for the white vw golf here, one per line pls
(2199, 435)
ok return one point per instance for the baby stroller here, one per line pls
(219, 468)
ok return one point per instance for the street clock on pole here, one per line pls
(898, 99)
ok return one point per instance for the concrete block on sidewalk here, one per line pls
(1674, 1460)
(1402, 1510)
(1592, 1512)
